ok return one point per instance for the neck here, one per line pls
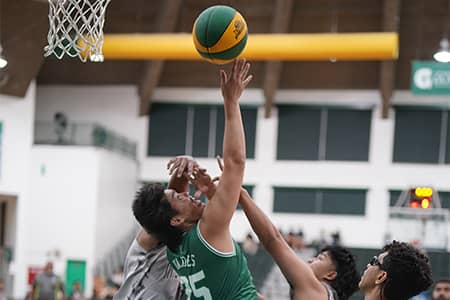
(373, 294)
(188, 226)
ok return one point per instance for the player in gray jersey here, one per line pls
(147, 273)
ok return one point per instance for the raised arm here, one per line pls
(216, 218)
(296, 271)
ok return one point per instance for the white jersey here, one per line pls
(332, 295)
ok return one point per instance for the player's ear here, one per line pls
(330, 276)
(176, 221)
(381, 278)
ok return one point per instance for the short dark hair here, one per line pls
(408, 271)
(443, 280)
(153, 212)
(347, 278)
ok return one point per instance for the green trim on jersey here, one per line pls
(211, 248)
(208, 274)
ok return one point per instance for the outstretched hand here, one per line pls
(234, 84)
(203, 184)
(183, 166)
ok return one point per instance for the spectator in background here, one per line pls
(2, 290)
(117, 278)
(290, 238)
(249, 245)
(320, 243)
(336, 238)
(101, 290)
(77, 293)
(99, 136)
(295, 240)
(441, 290)
(60, 121)
(48, 285)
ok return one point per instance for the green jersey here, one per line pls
(208, 274)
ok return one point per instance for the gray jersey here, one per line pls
(148, 276)
(332, 295)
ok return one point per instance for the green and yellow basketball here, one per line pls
(220, 34)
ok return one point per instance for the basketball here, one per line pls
(220, 34)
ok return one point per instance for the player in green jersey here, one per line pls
(200, 248)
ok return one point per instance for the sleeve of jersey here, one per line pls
(196, 236)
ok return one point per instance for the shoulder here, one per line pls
(319, 292)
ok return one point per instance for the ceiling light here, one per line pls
(443, 55)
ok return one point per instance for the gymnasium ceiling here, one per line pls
(420, 24)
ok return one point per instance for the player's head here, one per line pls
(399, 272)
(441, 290)
(337, 266)
(165, 213)
(48, 268)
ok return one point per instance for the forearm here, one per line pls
(211, 191)
(234, 137)
(261, 224)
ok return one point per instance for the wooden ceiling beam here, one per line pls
(280, 24)
(22, 45)
(166, 22)
(391, 15)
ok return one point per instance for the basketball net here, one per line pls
(76, 29)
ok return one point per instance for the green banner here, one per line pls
(430, 78)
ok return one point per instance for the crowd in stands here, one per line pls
(105, 288)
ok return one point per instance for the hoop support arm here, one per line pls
(289, 47)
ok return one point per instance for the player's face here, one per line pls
(322, 266)
(188, 208)
(372, 272)
(441, 291)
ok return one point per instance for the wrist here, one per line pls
(211, 190)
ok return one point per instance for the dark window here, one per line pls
(319, 201)
(314, 133)
(295, 200)
(167, 132)
(249, 116)
(249, 189)
(344, 202)
(417, 135)
(201, 133)
(393, 197)
(445, 199)
(195, 130)
(348, 135)
(298, 133)
(447, 136)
